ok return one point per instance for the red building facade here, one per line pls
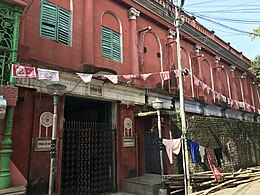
(102, 137)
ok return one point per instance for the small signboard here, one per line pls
(129, 142)
(96, 90)
(42, 144)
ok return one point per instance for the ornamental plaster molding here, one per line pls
(133, 13)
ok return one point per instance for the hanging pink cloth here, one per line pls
(212, 163)
(172, 146)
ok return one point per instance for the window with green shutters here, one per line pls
(55, 23)
(111, 44)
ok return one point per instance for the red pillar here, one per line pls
(88, 33)
(133, 14)
(197, 50)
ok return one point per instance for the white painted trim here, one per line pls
(110, 92)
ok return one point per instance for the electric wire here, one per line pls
(204, 2)
(224, 26)
(225, 20)
(245, 21)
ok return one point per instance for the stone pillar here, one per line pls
(88, 33)
(133, 14)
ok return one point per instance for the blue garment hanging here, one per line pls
(194, 150)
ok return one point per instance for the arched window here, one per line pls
(111, 40)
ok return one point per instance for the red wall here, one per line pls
(34, 165)
(43, 52)
(100, 7)
(126, 156)
(22, 130)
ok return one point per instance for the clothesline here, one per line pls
(213, 155)
(20, 71)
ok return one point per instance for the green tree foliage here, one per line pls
(255, 33)
(255, 69)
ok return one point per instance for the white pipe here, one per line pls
(252, 95)
(191, 78)
(242, 93)
(258, 96)
(212, 83)
(228, 83)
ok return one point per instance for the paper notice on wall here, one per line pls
(19, 71)
(45, 74)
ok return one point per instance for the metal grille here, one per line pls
(152, 155)
(9, 31)
(88, 165)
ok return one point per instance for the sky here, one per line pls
(232, 21)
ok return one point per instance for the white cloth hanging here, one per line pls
(172, 146)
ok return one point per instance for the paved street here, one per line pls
(251, 188)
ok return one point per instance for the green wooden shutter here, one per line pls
(116, 53)
(48, 23)
(106, 42)
(64, 26)
(111, 44)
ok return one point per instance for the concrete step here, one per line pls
(122, 193)
(148, 184)
(18, 190)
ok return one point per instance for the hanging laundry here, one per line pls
(196, 81)
(85, 77)
(218, 95)
(129, 76)
(212, 160)
(218, 154)
(165, 75)
(202, 153)
(225, 151)
(194, 150)
(145, 76)
(204, 86)
(177, 73)
(112, 78)
(172, 146)
(208, 89)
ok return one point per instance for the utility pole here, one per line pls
(187, 186)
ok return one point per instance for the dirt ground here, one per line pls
(251, 188)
